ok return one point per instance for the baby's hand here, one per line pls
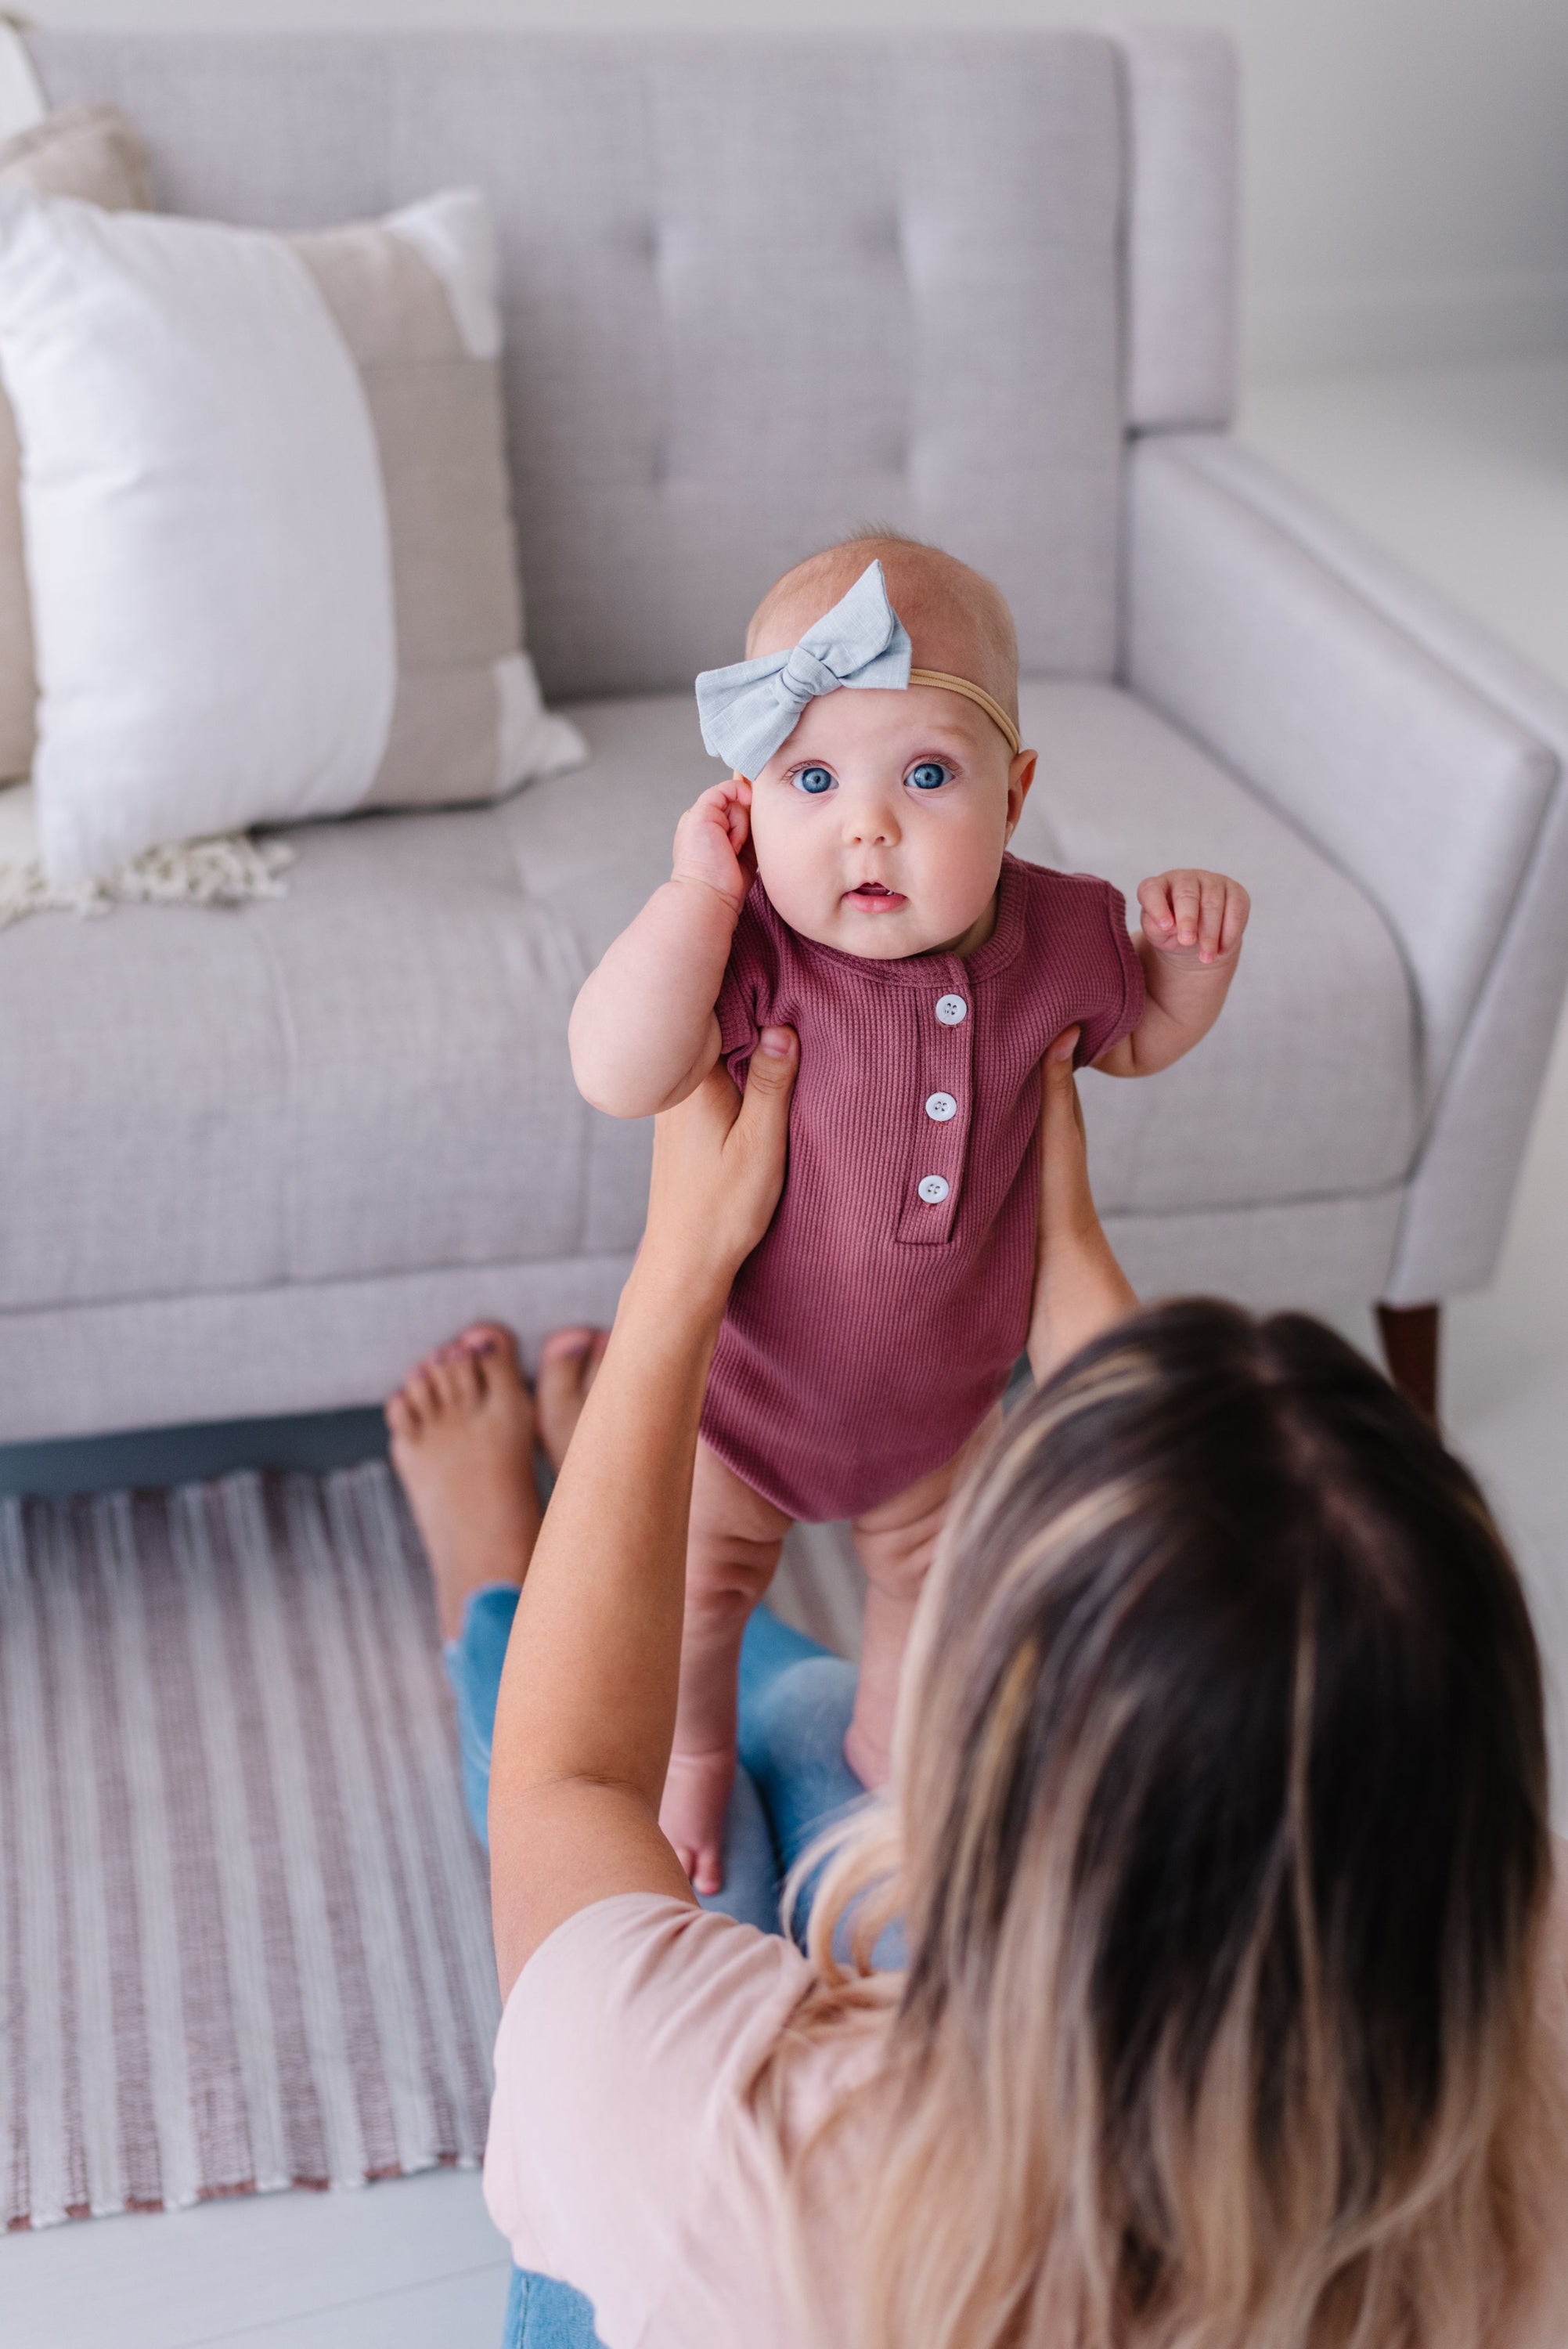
(1193, 917)
(713, 841)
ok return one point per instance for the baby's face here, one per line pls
(880, 824)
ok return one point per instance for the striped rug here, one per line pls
(244, 1937)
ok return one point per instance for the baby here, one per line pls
(851, 880)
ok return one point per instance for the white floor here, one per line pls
(1464, 473)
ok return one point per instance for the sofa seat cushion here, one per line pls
(369, 1075)
(1308, 1087)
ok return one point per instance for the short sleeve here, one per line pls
(619, 2055)
(745, 998)
(1113, 979)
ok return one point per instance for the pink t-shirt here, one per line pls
(621, 2157)
(875, 1326)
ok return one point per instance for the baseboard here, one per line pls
(1518, 313)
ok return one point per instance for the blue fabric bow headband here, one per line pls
(750, 707)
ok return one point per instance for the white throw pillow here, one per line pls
(219, 431)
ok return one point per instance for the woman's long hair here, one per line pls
(1220, 1843)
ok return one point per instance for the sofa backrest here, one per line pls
(759, 293)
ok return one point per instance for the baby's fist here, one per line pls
(713, 841)
(1193, 917)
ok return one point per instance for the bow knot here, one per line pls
(749, 708)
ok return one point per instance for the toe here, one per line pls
(492, 1338)
(566, 1345)
(465, 1379)
(402, 1424)
(422, 1395)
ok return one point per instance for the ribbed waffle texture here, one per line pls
(244, 1935)
(874, 1326)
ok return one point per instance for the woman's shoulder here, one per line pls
(622, 2061)
(679, 1977)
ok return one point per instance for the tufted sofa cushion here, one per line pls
(369, 1076)
(753, 294)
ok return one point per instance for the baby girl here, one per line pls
(852, 880)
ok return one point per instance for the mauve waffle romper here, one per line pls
(878, 1321)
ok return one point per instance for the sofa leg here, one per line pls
(1410, 1348)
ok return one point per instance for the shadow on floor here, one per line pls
(314, 1443)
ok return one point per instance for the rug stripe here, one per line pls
(82, 1846)
(304, 2156)
(366, 1599)
(219, 2101)
(361, 1772)
(468, 1949)
(325, 2029)
(14, 2197)
(136, 2133)
(316, 1678)
(48, 2184)
(161, 1973)
(455, 1926)
(238, 1886)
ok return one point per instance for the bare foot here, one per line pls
(569, 1363)
(463, 1428)
(692, 1814)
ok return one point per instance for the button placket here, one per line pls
(940, 1109)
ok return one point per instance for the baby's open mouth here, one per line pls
(875, 898)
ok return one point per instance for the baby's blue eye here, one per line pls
(929, 776)
(813, 780)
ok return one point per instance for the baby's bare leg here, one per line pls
(732, 1549)
(895, 1543)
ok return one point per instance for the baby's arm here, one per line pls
(1192, 942)
(643, 1032)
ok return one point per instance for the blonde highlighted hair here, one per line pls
(1220, 1847)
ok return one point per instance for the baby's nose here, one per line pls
(870, 822)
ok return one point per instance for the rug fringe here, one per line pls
(233, 869)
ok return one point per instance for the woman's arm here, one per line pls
(587, 1703)
(1079, 1287)
(643, 1033)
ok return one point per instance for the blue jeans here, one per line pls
(793, 1781)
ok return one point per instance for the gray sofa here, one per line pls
(982, 289)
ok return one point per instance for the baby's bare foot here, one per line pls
(569, 1363)
(463, 1428)
(692, 1814)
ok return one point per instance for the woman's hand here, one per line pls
(718, 1169)
(1079, 1287)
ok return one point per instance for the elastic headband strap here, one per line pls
(974, 693)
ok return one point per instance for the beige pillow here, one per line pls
(90, 152)
(414, 299)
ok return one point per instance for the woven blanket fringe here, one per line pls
(228, 871)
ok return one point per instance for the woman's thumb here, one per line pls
(770, 1078)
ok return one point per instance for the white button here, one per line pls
(934, 1189)
(951, 1010)
(940, 1106)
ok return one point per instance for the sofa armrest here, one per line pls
(1422, 758)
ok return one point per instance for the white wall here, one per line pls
(1406, 161)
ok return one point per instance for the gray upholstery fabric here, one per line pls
(1240, 1120)
(1182, 229)
(1476, 1129)
(752, 297)
(1425, 789)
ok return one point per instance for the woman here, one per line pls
(1218, 1838)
